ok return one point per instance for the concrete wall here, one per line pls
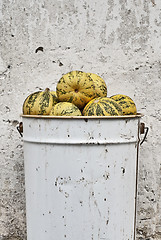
(39, 41)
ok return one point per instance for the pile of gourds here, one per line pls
(78, 93)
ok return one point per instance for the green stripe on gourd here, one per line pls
(127, 104)
(102, 106)
(65, 109)
(38, 103)
(55, 98)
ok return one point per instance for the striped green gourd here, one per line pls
(76, 87)
(102, 107)
(127, 104)
(100, 85)
(65, 109)
(39, 103)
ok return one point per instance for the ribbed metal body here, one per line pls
(80, 176)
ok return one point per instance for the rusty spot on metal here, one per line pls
(127, 120)
(142, 128)
(81, 203)
(66, 194)
(106, 176)
(91, 138)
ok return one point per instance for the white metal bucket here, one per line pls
(80, 176)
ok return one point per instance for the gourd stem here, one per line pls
(47, 89)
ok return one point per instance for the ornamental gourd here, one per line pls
(79, 88)
(39, 103)
(100, 85)
(76, 87)
(102, 107)
(65, 109)
(127, 104)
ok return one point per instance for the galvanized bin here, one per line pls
(81, 177)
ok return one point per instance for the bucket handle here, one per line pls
(143, 130)
(20, 129)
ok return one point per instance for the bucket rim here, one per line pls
(138, 115)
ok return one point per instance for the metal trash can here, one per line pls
(81, 177)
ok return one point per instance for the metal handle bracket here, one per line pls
(20, 129)
(143, 130)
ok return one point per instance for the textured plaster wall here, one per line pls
(39, 41)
